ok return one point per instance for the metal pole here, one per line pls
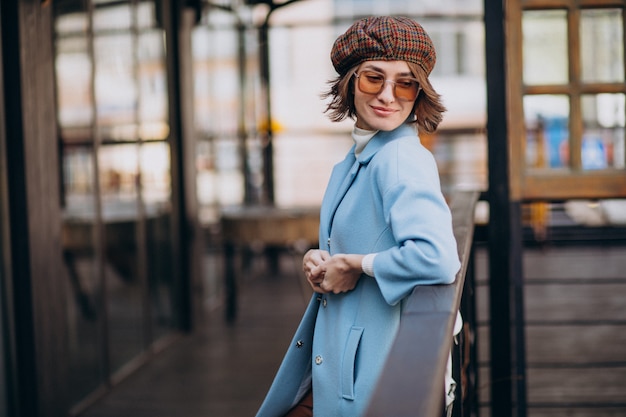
(242, 131)
(505, 234)
(267, 133)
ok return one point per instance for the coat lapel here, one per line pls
(342, 189)
(346, 171)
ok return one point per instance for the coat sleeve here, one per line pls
(424, 248)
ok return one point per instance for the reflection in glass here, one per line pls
(152, 85)
(545, 48)
(155, 175)
(225, 115)
(116, 87)
(146, 14)
(547, 131)
(112, 110)
(156, 192)
(603, 135)
(219, 181)
(118, 171)
(71, 22)
(73, 73)
(112, 15)
(74, 98)
(82, 280)
(602, 45)
(216, 83)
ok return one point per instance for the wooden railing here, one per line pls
(412, 383)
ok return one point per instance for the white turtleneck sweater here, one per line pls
(361, 138)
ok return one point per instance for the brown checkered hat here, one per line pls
(383, 38)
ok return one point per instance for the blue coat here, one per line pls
(389, 202)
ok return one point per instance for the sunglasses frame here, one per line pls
(357, 75)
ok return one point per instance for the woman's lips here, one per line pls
(382, 111)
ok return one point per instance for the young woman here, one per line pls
(384, 224)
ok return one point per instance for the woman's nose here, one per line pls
(387, 93)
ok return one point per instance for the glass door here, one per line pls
(116, 178)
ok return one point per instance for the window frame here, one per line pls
(573, 182)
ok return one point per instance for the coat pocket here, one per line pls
(349, 363)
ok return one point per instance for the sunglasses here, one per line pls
(371, 82)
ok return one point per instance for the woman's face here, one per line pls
(386, 109)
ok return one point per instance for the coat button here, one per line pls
(324, 302)
(299, 344)
(319, 360)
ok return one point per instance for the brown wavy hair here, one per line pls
(427, 111)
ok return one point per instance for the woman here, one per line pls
(384, 224)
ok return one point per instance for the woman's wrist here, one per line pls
(367, 264)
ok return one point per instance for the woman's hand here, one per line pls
(311, 265)
(337, 274)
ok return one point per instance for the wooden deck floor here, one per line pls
(576, 343)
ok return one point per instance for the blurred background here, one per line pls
(111, 77)
(161, 117)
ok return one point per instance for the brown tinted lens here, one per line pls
(371, 82)
(406, 89)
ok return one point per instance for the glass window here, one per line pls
(225, 112)
(73, 21)
(602, 45)
(545, 40)
(405, 7)
(547, 131)
(115, 87)
(152, 87)
(603, 135)
(573, 76)
(217, 87)
(110, 16)
(74, 95)
(146, 14)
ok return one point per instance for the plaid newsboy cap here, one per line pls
(383, 38)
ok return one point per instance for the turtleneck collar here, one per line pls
(361, 138)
